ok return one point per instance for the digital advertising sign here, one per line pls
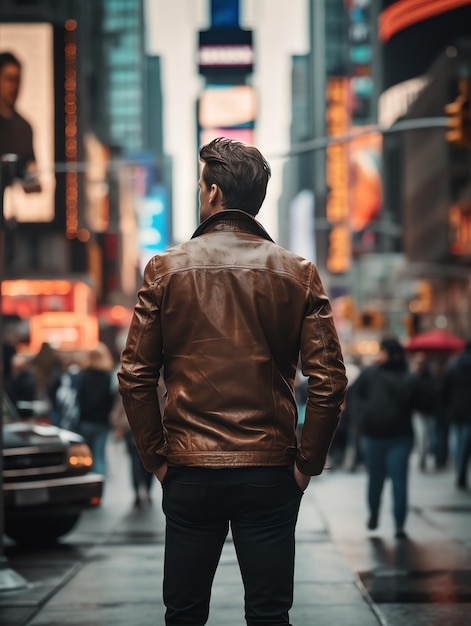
(27, 93)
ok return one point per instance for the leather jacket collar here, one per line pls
(231, 219)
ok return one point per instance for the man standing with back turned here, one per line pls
(227, 314)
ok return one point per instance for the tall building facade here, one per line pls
(336, 161)
(94, 99)
(386, 196)
(426, 50)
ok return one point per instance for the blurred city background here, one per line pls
(347, 100)
(362, 108)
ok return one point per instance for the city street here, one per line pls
(235, 209)
(108, 571)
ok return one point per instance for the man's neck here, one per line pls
(6, 111)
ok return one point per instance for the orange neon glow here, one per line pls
(337, 175)
(83, 235)
(365, 185)
(119, 313)
(459, 217)
(35, 287)
(82, 293)
(405, 13)
(116, 315)
(60, 312)
(64, 331)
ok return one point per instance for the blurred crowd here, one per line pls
(78, 392)
(402, 403)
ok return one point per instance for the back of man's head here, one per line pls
(240, 171)
(8, 58)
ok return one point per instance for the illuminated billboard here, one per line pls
(366, 193)
(225, 51)
(226, 106)
(30, 111)
(227, 111)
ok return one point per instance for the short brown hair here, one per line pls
(240, 171)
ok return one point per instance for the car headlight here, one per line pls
(80, 456)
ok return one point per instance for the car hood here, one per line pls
(21, 434)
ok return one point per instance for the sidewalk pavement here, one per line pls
(108, 572)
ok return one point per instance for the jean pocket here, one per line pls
(294, 481)
(168, 477)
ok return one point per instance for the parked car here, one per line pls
(47, 478)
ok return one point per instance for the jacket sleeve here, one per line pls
(322, 363)
(138, 377)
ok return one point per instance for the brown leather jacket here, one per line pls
(227, 315)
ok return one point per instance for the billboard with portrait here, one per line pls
(32, 44)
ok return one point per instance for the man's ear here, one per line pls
(214, 194)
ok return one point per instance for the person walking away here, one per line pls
(96, 398)
(441, 430)
(353, 457)
(46, 367)
(423, 421)
(21, 385)
(457, 399)
(228, 314)
(385, 395)
(66, 393)
(141, 479)
(300, 394)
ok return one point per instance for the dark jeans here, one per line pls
(388, 457)
(462, 435)
(96, 436)
(261, 505)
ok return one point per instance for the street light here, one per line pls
(9, 169)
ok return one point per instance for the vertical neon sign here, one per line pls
(70, 107)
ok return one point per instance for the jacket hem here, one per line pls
(230, 459)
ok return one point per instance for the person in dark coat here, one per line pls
(385, 395)
(96, 399)
(424, 421)
(457, 399)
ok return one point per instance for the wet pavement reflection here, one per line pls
(422, 580)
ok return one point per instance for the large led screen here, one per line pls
(32, 200)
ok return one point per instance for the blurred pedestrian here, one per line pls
(441, 431)
(141, 479)
(300, 393)
(96, 398)
(457, 399)
(21, 385)
(227, 314)
(9, 351)
(386, 393)
(46, 366)
(423, 421)
(66, 401)
(346, 449)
